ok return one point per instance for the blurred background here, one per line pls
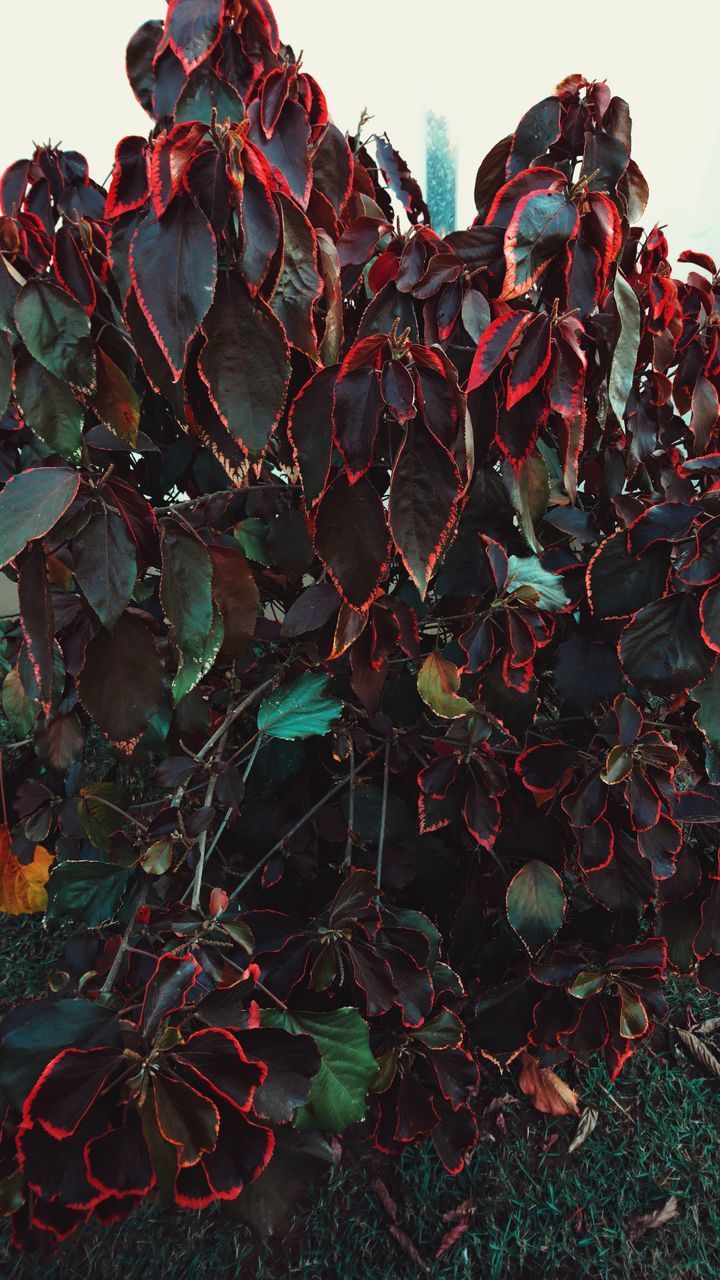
(445, 81)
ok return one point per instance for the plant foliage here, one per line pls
(393, 561)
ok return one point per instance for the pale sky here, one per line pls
(63, 78)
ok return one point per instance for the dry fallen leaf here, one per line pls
(452, 1237)
(22, 884)
(547, 1092)
(658, 1218)
(697, 1049)
(586, 1124)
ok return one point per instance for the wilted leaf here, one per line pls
(438, 683)
(657, 1218)
(547, 1092)
(22, 884)
(587, 1123)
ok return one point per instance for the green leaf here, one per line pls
(339, 1091)
(186, 593)
(21, 711)
(527, 576)
(99, 821)
(31, 504)
(707, 718)
(299, 710)
(49, 408)
(116, 401)
(252, 534)
(438, 683)
(56, 331)
(535, 904)
(6, 372)
(104, 564)
(622, 369)
(26, 1049)
(88, 893)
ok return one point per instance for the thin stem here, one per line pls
(351, 810)
(339, 786)
(108, 804)
(115, 966)
(229, 811)
(229, 720)
(383, 815)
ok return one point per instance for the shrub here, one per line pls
(390, 563)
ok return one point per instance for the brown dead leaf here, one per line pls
(452, 1237)
(658, 1218)
(697, 1049)
(22, 884)
(546, 1091)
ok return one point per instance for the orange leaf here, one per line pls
(22, 884)
(547, 1092)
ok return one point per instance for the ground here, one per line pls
(539, 1211)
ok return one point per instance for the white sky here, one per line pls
(63, 78)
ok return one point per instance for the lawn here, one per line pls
(536, 1209)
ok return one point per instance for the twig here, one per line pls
(339, 786)
(383, 815)
(229, 811)
(115, 966)
(351, 809)
(229, 720)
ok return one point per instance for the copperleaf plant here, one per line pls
(390, 563)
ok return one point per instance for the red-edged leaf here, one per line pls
(36, 617)
(517, 428)
(122, 682)
(356, 417)
(168, 162)
(129, 187)
(310, 428)
(194, 28)
(245, 364)
(539, 229)
(351, 539)
(72, 269)
(236, 595)
(495, 344)
(398, 391)
(299, 284)
(531, 359)
(31, 503)
(288, 148)
(259, 215)
(424, 491)
(535, 134)
(173, 266)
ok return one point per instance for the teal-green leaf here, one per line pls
(27, 1048)
(56, 331)
(49, 408)
(338, 1093)
(6, 372)
(31, 504)
(105, 565)
(622, 369)
(85, 892)
(707, 718)
(186, 594)
(535, 904)
(299, 710)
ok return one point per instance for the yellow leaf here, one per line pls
(438, 684)
(22, 885)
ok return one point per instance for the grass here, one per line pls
(539, 1211)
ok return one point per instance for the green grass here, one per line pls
(540, 1212)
